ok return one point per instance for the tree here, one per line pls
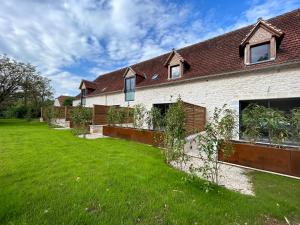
(20, 82)
(175, 133)
(68, 101)
(82, 117)
(219, 132)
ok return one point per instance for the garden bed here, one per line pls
(140, 135)
(265, 157)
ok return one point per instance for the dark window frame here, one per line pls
(269, 103)
(257, 45)
(131, 89)
(171, 74)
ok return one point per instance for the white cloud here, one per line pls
(55, 35)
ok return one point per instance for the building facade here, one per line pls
(259, 63)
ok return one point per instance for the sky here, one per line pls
(73, 40)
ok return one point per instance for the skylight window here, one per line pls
(155, 76)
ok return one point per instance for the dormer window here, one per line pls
(259, 53)
(175, 72)
(261, 43)
(129, 88)
(176, 65)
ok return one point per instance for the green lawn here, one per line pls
(49, 176)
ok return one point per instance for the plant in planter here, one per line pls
(121, 116)
(218, 135)
(111, 115)
(154, 119)
(139, 113)
(257, 120)
(175, 133)
(276, 123)
(295, 122)
(251, 120)
(82, 117)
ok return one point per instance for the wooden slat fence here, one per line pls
(195, 118)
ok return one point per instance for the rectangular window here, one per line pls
(83, 95)
(259, 53)
(129, 89)
(285, 105)
(83, 101)
(175, 72)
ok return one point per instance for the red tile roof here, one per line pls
(211, 57)
(62, 98)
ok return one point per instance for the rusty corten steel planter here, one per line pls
(280, 160)
(143, 136)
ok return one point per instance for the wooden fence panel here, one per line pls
(195, 117)
(100, 114)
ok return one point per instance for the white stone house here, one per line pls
(257, 63)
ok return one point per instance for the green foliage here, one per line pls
(218, 135)
(295, 122)
(121, 114)
(251, 120)
(50, 177)
(48, 114)
(276, 123)
(16, 111)
(111, 116)
(68, 101)
(139, 113)
(258, 119)
(155, 120)
(81, 117)
(175, 133)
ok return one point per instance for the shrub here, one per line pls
(81, 117)
(68, 101)
(252, 122)
(218, 135)
(258, 120)
(139, 113)
(154, 119)
(175, 133)
(121, 116)
(295, 122)
(111, 115)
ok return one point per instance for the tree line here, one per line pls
(23, 90)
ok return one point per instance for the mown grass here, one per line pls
(49, 176)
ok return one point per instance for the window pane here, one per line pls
(260, 53)
(129, 96)
(132, 83)
(83, 101)
(129, 84)
(175, 71)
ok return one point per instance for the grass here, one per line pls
(49, 176)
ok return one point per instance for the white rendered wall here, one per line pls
(215, 92)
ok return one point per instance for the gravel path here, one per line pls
(232, 177)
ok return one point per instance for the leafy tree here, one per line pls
(218, 135)
(81, 117)
(154, 119)
(121, 114)
(20, 82)
(252, 122)
(68, 101)
(111, 115)
(258, 120)
(139, 114)
(175, 133)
